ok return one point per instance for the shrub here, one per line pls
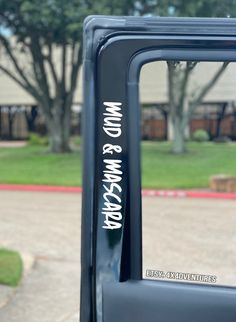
(200, 136)
(35, 139)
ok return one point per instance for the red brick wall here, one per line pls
(154, 129)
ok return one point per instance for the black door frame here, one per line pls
(115, 50)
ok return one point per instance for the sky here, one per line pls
(4, 31)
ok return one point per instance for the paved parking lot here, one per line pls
(46, 225)
(194, 236)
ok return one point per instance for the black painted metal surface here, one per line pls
(115, 50)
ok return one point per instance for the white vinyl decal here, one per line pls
(112, 173)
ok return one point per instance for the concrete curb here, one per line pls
(145, 192)
(189, 194)
(39, 188)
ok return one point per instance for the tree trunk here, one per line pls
(178, 145)
(58, 142)
(177, 82)
(59, 125)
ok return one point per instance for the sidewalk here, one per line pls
(48, 227)
(12, 144)
(74, 318)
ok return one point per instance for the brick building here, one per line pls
(216, 114)
(20, 115)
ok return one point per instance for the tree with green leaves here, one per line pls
(44, 53)
(182, 101)
(191, 8)
(182, 104)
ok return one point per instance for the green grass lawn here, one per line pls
(161, 169)
(11, 267)
(33, 165)
(191, 170)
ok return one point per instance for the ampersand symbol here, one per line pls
(110, 148)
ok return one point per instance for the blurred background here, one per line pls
(188, 134)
